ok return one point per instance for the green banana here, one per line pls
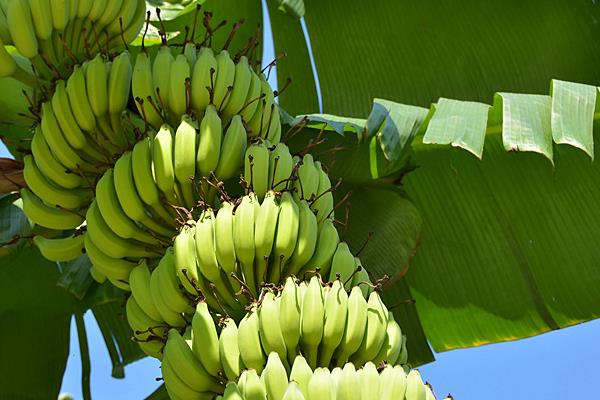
(241, 85)
(224, 80)
(356, 324)
(243, 238)
(185, 257)
(209, 146)
(415, 389)
(275, 377)
(116, 269)
(256, 168)
(293, 392)
(232, 150)
(48, 216)
(307, 240)
(142, 324)
(270, 330)
(224, 243)
(336, 312)
(251, 386)
(281, 165)
(180, 73)
(71, 199)
(205, 340)
(392, 344)
(286, 235)
(162, 160)
(169, 285)
(249, 341)
(56, 141)
(377, 319)
(49, 166)
(161, 76)
(21, 27)
(139, 282)
(264, 234)
(343, 265)
(320, 385)
(184, 158)
(290, 307)
(369, 382)
(327, 244)
(229, 351)
(142, 88)
(348, 386)
(307, 183)
(202, 79)
(77, 93)
(301, 373)
(62, 249)
(322, 205)
(312, 321)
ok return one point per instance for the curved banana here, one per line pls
(142, 324)
(56, 141)
(119, 84)
(392, 344)
(243, 238)
(161, 76)
(249, 341)
(354, 331)
(348, 386)
(64, 115)
(301, 373)
(41, 14)
(264, 234)
(162, 160)
(275, 377)
(209, 147)
(369, 382)
(336, 312)
(142, 88)
(77, 93)
(62, 249)
(178, 98)
(321, 385)
(377, 320)
(203, 79)
(170, 286)
(139, 282)
(286, 236)
(307, 240)
(232, 151)
(185, 257)
(48, 216)
(342, 264)
(224, 80)
(170, 316)
(281, 165)
(241, 85)
(311, 321)
(21, 27)
(290, 307)
(322, 205)
(205, 340)
(307, 183)
(270, 330)
(70, 199)
(116, 269)
(49, 166)
(229, 352)
(184, 158)
(256, 168)
(327, 244)
(415, 389)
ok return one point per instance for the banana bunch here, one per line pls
(366, 383)
(54, 35)
(79, 132)
(272, 167)
(172, 84)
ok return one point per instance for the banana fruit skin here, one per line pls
(63, 249)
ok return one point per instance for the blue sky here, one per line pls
(554, 366)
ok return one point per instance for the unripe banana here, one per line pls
(124, 17)
(201, 79)
(275, 377)
(229, 352)
(253, 388)
(143, 326)
(270, 331)
(206, 258)
(113, 214)
(342, 264)
(97, 275)
(293, 392)
(264, 234)
(188, 366)
(232, 392)
(49, 166)
(162, 160)
(161, 76)
(170, 286)
(377, 315)
(354, 330)
(307, 240)
(307, 183)
(312, 321)
(189, 50)
(77, 93)
(224, 79)
(327, 243)
(96, 75)
(185, 158)
(63, 249)
(225, 244)
(252, 102)
(348, 386)
(66, 120)
(249, 341)
(142, 87)
(241, 85)
(361, 278)
(61, 13)
(321, 386)
(392, 343)
(130, 199)
(336, 312)
(70, 199)
(176, 387)
(119, 82)
(290, 307)
(141, 161)
(116, 269)
(180, 72)
(232, 150)
(48, 216)
(323, 203)
(281, 165)
(415, 389)
(369, 382)
(205, 341)
(21, 28)
(256, 168)
(209, 146)
(403, 356)
(41, 13)
(139, 282)
(286, 236)
(301, 373)
(56, 140)
(243, 237)
(184, 248)
(170, 316)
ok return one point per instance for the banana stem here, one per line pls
(25, 77)
(85, 356)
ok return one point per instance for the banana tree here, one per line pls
(465, 141)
